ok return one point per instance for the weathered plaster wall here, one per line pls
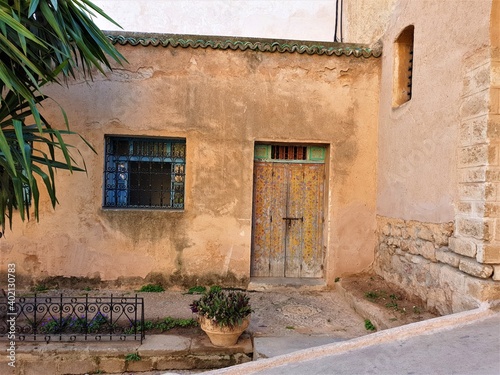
(439, 159)
(221, 102)
(417, 174)
(365, 21)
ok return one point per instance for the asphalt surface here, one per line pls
(466, 343)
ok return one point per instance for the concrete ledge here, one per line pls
(157, 352)
(376, 314)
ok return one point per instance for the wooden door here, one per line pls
(288, 220)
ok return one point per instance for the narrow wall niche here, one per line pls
(403, 67)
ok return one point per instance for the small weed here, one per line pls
(163, 325)
(40, 288)
(290, 327)
(197, 290)
(369, 325)
(395, 297)
(168, 323)
(154, 288)
(87, 289)
(132, 357)
(337, 279)
(392, 305)
(372, 295)
(416, 310)
(215, 288)
(393, 319)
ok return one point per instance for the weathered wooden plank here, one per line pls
(295, 207)
(261, 242)
(312, 252)
(278, 209)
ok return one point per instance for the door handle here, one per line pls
(289, 220)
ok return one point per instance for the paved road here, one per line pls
(470, 348)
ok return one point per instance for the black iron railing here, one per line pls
(61, 318)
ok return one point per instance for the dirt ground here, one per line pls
(399, 307)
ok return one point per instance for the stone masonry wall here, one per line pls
(415, 256)
(477, 236)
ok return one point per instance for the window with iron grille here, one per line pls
(403, 67)
(144, 172)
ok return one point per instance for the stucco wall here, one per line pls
(417, 174)
(221, 102)
(365, 21)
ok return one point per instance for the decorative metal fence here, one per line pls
(84, 318)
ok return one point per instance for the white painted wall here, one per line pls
(277, 19)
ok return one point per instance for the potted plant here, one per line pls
(223, 315)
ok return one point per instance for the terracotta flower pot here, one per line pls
(222, 336)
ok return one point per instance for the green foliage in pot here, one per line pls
(226, 308)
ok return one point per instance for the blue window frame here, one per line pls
(144, 172)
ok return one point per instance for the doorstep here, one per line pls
(157, 352)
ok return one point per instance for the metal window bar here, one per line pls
(410, 74)
(82, 318)
(289, 152)
(145, 173)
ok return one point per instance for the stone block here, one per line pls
(483, 290)
(478, 209)
(473, 268)
(428, 251)
(156, 345)
(396, 231)
(480, 229)
(493, 154)
(495, 74)
(471, 191)
(145, 364)
(413, 248)
(444, 255)
(488, 253)
(77, 366)
(493, 174)
(451, 279)
(479, 129)
(475, 104)
(425, 234)
(463, 247)
(465, 133)
(47, 366)
(493, 131)
(111, 365)
(496, 272)
(494, 100)
(473, 174)
(477, 79)
(476, 155)
(492, 209)
(491, 191)
(176, 363)
(442, 234)
(463, 208)
(463, 302)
